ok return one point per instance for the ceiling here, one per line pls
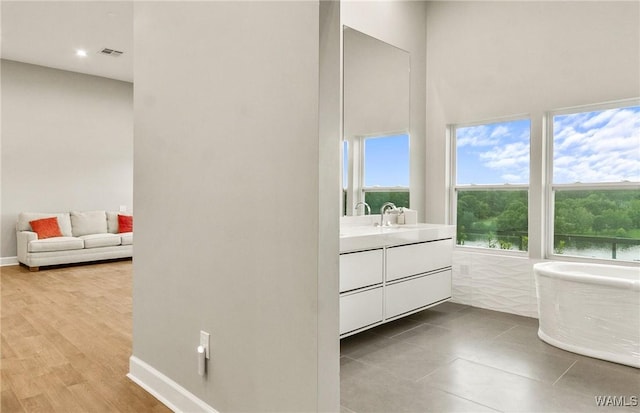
(48, 33)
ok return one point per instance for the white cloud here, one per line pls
(597, 147)
(511, 160)
(491, 134)
(475, 136)
(569, 121)
(500, 131)
(598, 119)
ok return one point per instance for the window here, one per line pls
(379, 171)
(386, 171)
(594, 183)
(491, 176)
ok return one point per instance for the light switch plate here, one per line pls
(204, 342)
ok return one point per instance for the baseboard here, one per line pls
(170, 393)
(5, 261)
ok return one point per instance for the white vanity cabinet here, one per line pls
(382, 284)
(361, 298)
(361, 309)
(408, 295)
(407, 260)
(417, 275)
(361, 269)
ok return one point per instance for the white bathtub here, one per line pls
(590, 309)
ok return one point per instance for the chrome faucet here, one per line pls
(384, 208)
(365, 210)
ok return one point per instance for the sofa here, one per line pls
(78, 237)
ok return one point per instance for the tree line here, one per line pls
(502, 216)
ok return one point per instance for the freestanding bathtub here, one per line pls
(590, 309)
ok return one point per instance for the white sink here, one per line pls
(359, 237)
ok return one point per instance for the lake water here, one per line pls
(578, 249)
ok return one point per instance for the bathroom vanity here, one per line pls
(390, 272)
(386, 272)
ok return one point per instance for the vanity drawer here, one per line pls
(360, 269)
(413, 259)
(360, 309)
(405, 296)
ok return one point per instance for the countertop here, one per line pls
(361, 234)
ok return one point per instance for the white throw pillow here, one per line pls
(90, 222)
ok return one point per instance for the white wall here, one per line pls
(330, 188)
(495, 59)
(233, 234)
(401, 24)
(67, 144)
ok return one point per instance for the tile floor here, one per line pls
(455, 358)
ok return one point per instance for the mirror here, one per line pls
(376, 85)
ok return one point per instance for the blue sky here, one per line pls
(386, 161)
(495, 153)
(600, 146)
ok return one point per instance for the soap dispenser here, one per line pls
(400, 218)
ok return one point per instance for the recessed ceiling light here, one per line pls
(81, 53)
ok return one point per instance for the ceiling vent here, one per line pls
(111, 52)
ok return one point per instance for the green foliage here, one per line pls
(621, 232)
(504, 245)
(500, 218)
(514, 217)
(377, 199)
(491, 239)
(461, 235)
(602, 212)
(634, 213)
(497, 217)
(573, 219)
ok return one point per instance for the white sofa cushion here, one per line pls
(100, 240)
(112, 222)
(64, 221)
(56, 244)
(127, 238)
(90, 222)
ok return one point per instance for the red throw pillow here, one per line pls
(125, 223)
(46, 227)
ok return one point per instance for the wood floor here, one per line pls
(66, 340)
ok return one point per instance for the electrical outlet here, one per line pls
(204, 342)
(464, 269)
(123, 208)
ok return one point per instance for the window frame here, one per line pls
(551, 188)
(455, 188)
(356, 190)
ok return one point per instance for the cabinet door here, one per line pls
(407, 260)
(360, 310)
(360, 269)
(405, 296)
